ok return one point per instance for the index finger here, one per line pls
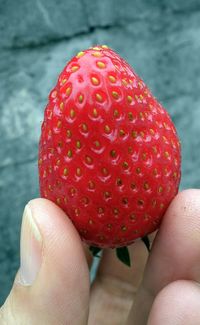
(175, 253)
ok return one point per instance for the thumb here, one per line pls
(52, 285)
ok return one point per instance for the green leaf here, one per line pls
(146, 241)
(123, 255)
(95, 250)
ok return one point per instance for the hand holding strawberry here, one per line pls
(109, 154)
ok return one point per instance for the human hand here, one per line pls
(52, 285)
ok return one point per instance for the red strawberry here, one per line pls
(109, 153)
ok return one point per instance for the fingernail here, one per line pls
(30, 249)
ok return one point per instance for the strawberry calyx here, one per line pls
(121, 252)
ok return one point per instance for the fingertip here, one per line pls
(177, 303)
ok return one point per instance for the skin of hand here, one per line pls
(52, 286)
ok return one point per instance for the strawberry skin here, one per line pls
(109, 154)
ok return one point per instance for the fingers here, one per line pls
(52, 285)
(178, 304)
(175, 253)
(115, 286)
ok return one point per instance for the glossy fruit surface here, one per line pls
(109, 154)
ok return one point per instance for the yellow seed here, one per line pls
(123, 228)
(80, 98)
(144, 156)
(121, 133)
(101, 64)
(133, 186)
(63, 81)
(129, 99)
(85, 200)
(99, 98)
(90, 222)
(97, 143)
(68, 91)
(109, 226)
(155, 171)
(113, 153)
(78, 171)
(115, 95)
(69, 153)
(112, 79)
(104, 171)
(72, 113)
(119, 182)
(97, 54)
(166, 154)
(40, 161)
(115, 211)
(69, 134)
(95, 81)
(161, 205)
(84, 127)
(141, 97)
(130, 116)
(58, 162)
(65, 171)
(96, 48)
(95, 113)
(58, 200)
(116, 113)
(104, 47)
(74, 68)
(61, 105)
(125, 165)
(107, 195)
(154, 202)
(77, 212)
(78, 144)
(72, 191)
(140, 202)
(134, 134)
(141, 115)
(142, 134)
(146, 186)
(80, 54)
(160, 189)
(107, 128)
(130, 149)
(132, 216)
(91, 185)
(154, 149)
(100, 210)
(88, 159)
(152, 131)
(125, 83)
(138, 170)
(175, 175)
(59, 123)
(140, 85)
(125, 200)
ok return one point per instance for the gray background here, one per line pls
(160, 39)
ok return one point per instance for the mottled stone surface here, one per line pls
(162, 43)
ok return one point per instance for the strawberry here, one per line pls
(109, 154)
